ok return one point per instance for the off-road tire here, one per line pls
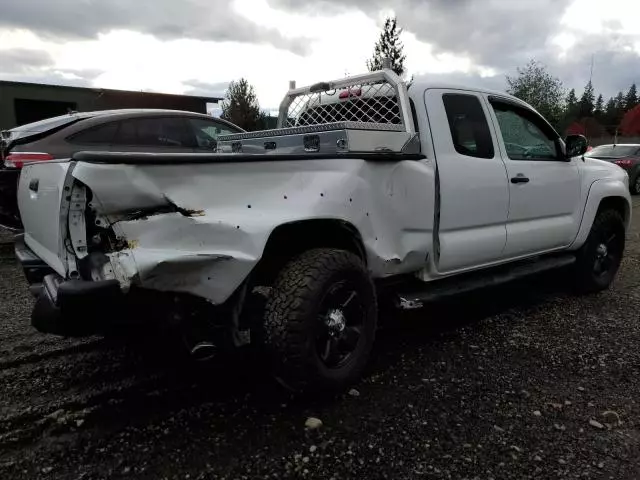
(608, 226)
(293, 317)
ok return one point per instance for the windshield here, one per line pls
(613, 151)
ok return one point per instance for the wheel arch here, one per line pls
(618, 204)
(292, 239)
(603, 194)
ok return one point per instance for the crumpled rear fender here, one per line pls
(202, 228)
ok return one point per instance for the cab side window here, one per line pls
(525, 136)
(468, 124)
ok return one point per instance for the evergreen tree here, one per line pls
(569, 110)
(536, 86)
(571, 104)
(587, 101)
(610, 114)
(389, 46)
(631, 98)
(610, 109)
(620, 103)
(614, 112)
(241, 107)
(598, 111)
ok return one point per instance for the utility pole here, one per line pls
(590, 83)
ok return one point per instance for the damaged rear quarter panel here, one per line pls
(201, 228)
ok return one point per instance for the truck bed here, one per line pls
(199, 223)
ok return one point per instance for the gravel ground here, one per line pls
(5, 235)
(520, 382)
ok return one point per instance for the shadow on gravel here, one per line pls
(168, 383)
(468, 309)
(438, 321)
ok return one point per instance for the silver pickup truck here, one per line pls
(369, 189)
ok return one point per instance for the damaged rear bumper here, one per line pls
(77, 307)
(71, 307)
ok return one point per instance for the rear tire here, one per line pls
(320, 321)
(599, 258)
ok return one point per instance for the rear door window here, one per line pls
(126, 134)
(468, 125)
(155, 132)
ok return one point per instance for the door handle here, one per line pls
(34, 184)
(520, 178)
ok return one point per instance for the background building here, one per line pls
(22, 103)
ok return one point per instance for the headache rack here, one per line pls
(368, 113)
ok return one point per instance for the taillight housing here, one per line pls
(18, 159)
(624, 163)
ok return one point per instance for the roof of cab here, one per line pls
(414, 88)
(422, 85)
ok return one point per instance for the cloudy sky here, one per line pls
(198, 46)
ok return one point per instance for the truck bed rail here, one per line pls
(128, 158)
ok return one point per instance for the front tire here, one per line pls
(320, 321)
(599, 258)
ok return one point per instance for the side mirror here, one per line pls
(575, 145)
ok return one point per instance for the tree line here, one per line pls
(567, 112)
(588, 114)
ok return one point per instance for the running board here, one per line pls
(473, 281)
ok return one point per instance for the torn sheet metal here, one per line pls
(77, 223)
(201, 228)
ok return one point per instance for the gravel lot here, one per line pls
(518, 382)
(5, 236)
